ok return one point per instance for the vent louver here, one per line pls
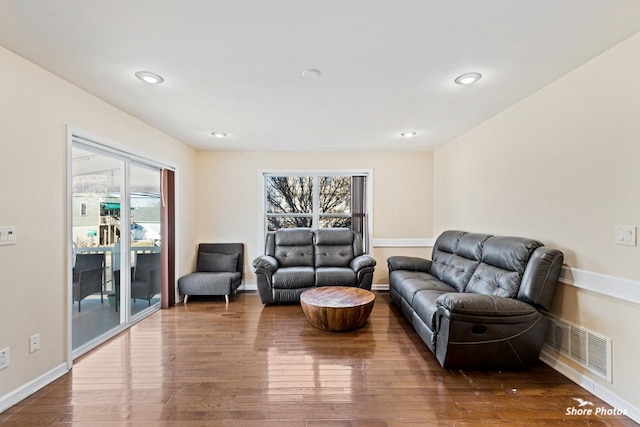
(588, 349)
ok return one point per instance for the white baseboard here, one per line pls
(26, 390)
(248, 287)
(550, 358)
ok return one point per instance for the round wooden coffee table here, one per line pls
(337, 308)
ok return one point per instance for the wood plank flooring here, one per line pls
(244, 364)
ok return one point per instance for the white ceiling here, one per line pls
(387, 65)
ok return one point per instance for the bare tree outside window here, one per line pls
(292, 198)
(335, 201)
(290, 201)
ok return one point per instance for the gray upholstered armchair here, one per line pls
(297, 259)
(218, 272)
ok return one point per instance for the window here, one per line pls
(316, 200)
(83, 209)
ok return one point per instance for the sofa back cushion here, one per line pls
(502, 266)
(293, 247)
(217, 263)
(456, 256)
(236, 249)
(334, 247)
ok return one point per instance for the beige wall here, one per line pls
(230, 193)
(562, 166)
(35, 107)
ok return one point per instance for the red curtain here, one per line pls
(168, 256)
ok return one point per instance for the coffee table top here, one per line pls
(337, 296)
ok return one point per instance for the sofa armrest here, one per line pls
(362, 261)
(541, 277)
(409, 263)
(266, 262)
(483, 305)
(477, 331)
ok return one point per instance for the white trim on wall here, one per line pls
(615, 287)
(611, 286)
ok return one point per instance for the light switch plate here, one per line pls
(7, 235)
(625, 235)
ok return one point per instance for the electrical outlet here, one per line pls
(4, 358)
(34, 343)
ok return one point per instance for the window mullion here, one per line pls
(316, 202)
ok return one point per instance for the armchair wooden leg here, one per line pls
(226, 299)
(185, 298)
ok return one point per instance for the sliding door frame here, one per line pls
(129, 156)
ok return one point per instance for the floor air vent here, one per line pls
(588, 349)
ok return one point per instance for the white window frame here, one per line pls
(316, 173)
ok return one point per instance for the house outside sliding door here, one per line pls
(115, 239)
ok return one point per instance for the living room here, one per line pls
(557, 166)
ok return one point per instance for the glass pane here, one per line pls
(337, 222)
(96, 196)
(335, 194)
(289, 194)
(146, 207)
(277, 222)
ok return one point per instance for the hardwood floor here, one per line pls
(243, 364)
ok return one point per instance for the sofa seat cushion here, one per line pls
(485, 306)
(408, 283)
(204, 283)
(294, 277)
(335, 276)
(425, 305)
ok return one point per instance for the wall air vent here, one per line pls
(586, 348)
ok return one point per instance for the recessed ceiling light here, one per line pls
(311, 73)
(219, 134)
(468, 78)
(408, 134)
(149, 77)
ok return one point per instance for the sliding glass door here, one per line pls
(146, 203)
(97, 188)
(116, 239)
